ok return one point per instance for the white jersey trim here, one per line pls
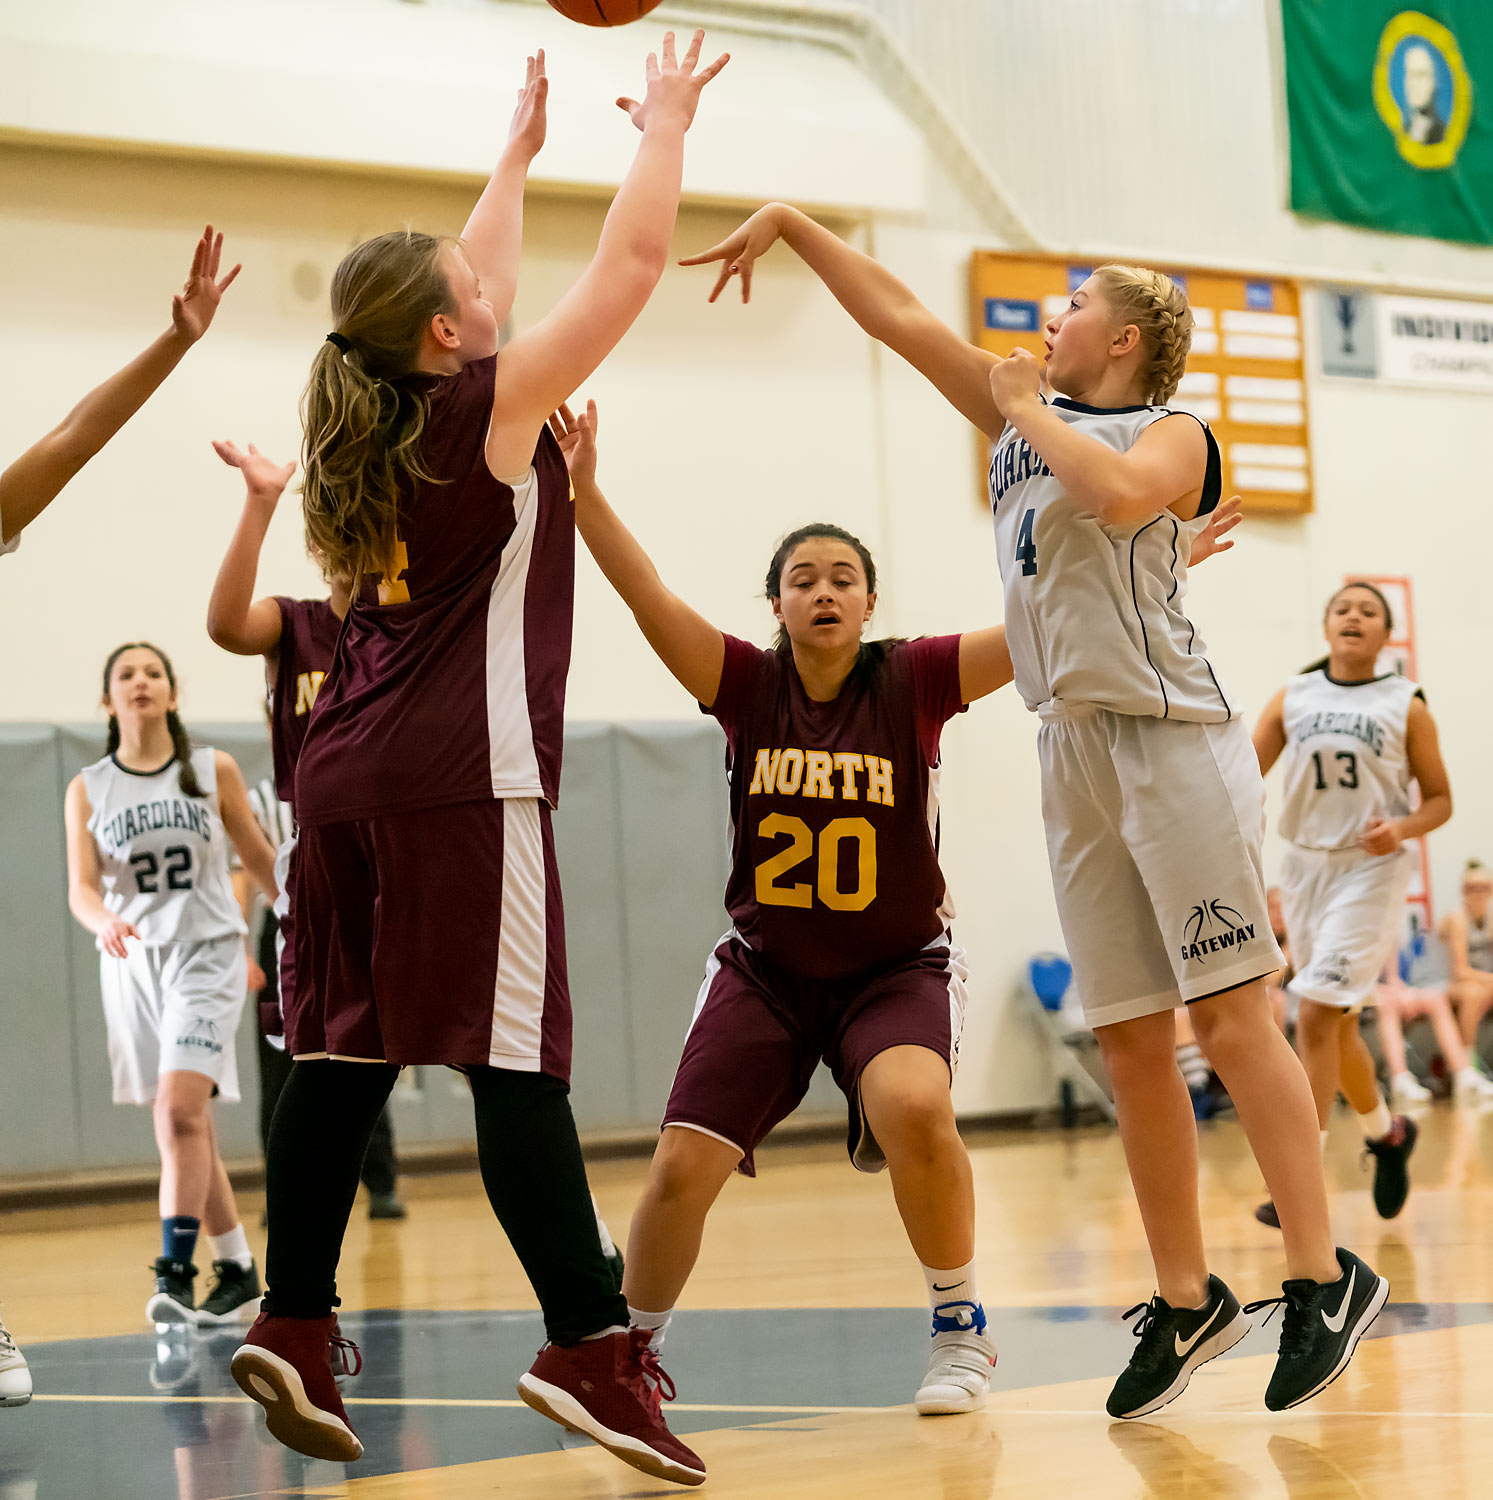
(512, 762)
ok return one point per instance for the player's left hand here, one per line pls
(1211, 538)
(264, 478)
(257, 980)
(1382, 836)
(1015, 380)
(577, 439)
(192, 308)
(526, 133)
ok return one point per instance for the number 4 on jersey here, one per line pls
(1026, 547)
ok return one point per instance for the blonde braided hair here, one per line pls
(1158, 307)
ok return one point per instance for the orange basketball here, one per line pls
(604, 12)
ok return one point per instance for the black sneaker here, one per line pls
(175, 1361)
(1391, 1155)
(1173, 1343)
(233, 1297)
(172, 1301)
(1322, 1326)
(386, 1206)
(1266, 1214)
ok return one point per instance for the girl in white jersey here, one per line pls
(1151, 795)
(148, 830)
(1352, 738)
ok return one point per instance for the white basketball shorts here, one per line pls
(174, 1008)
(1154, 828)
(1342, 910)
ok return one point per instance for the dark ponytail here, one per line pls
(181, 741)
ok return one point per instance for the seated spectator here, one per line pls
(1467, 933)
(1397, 1003)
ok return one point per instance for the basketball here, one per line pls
(603, 12)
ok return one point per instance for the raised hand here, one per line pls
(1015, 380)
(577, 439)
(264, 478)
(1211, 538)
(526, 133)
(740, 249)
(192, 308)
(673, 86)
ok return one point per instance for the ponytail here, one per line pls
(362, 411)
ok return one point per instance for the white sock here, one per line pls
(1403, 1078)
(1323, 1134)
(957, 1285)
(1377, 1123)
(233, 1246)
(608, 1245)
(604, 1333)
(657, 1324)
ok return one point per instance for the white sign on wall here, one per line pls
(1428, 341)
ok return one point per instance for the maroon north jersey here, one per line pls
(834, 807)
(308, 637)
(448, 682)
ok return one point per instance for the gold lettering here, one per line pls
(392, 588)
(879, 780)
(790, 771)
(821, 766)
(849, 763)
(307, 686)
(864, 893)
(765, 773)
(800, 848)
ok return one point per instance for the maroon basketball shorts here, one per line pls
(758, 1034)
(434, 936)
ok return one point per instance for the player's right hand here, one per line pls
(740, 249)
(673, 87)
(112, 934)
(193, 307)
(265, 479)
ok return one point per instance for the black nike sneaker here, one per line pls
(234, 1296)
(1174, 1341)
(1391, 1155)
(172, 1301)
(1323, 1323)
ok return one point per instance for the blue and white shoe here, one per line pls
(959, 1363)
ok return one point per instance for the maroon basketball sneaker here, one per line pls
(612, 1390)
(285, 1365)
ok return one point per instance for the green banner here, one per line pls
(1391, 114)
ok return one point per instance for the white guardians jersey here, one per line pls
(163, 855)
(1345, 762)
(1094, 612)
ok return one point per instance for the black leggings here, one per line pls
(531, 1168)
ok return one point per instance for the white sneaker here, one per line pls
(1406, 1089)
(1472, 1086)
(959, 1363)
(15, 1378)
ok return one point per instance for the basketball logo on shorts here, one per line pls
(1333, 969)
(1214, 927)
(202, 1034)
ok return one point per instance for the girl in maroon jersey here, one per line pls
(840, 948)
(428, 924)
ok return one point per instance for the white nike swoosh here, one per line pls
(1183, 1350)
(1335, 1323)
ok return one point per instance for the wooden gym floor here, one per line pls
(798, 1349)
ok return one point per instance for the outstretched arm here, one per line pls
(36, 478)
(543, 365)
(235, 620)
(494, 232)
(984, 662)
(685, 642)
(882, 305)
